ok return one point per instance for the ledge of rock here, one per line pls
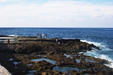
(4, 71)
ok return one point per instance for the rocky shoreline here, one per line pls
(53, 57)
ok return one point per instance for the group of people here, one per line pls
(41, 36)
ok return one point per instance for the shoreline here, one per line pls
(66, 55)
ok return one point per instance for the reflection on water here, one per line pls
(91, 61)
(65, 69)
(31, 72)
(44, 59)
(77, 60)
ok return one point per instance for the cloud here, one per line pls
(57, 14)
(2, 0)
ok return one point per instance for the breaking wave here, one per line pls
(102, 54)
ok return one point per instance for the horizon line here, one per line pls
(56, 27)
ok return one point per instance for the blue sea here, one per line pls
(101, 37)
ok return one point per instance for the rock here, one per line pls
(44, 73)
(66, 54)
(4, 71)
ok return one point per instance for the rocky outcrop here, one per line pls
(44, 47)
(4, 71)
(65, 54)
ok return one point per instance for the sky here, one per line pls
(56, 13)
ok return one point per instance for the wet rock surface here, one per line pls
(51, 58)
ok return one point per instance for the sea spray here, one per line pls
(99, 53)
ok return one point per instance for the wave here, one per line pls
(12, 35)
(101, 45)
(100, 53)
(108, 59)
(90, 42)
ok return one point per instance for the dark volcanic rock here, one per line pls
(66, 54)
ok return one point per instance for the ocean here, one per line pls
(101, 37)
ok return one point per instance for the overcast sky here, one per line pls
(56, 13)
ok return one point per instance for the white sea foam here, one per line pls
(108, 59)
(13, 35)
(98, 53)
(90, 42)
